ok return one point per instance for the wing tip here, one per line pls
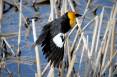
(55, 58)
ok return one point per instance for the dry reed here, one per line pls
(97, 54)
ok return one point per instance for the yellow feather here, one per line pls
(72, 18)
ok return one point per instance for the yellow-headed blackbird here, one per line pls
(52, 37)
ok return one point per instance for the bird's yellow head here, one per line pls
(72, 18)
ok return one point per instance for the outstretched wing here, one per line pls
(52, 42)
(53, 48)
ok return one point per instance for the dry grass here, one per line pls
(97, 56)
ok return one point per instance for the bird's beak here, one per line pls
(78, 15)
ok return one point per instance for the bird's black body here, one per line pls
(50, 50)
(52, 38)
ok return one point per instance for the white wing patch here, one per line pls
(58, 40)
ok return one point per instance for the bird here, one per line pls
(52, 37)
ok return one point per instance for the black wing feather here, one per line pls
(59, 58)
(53, 53)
